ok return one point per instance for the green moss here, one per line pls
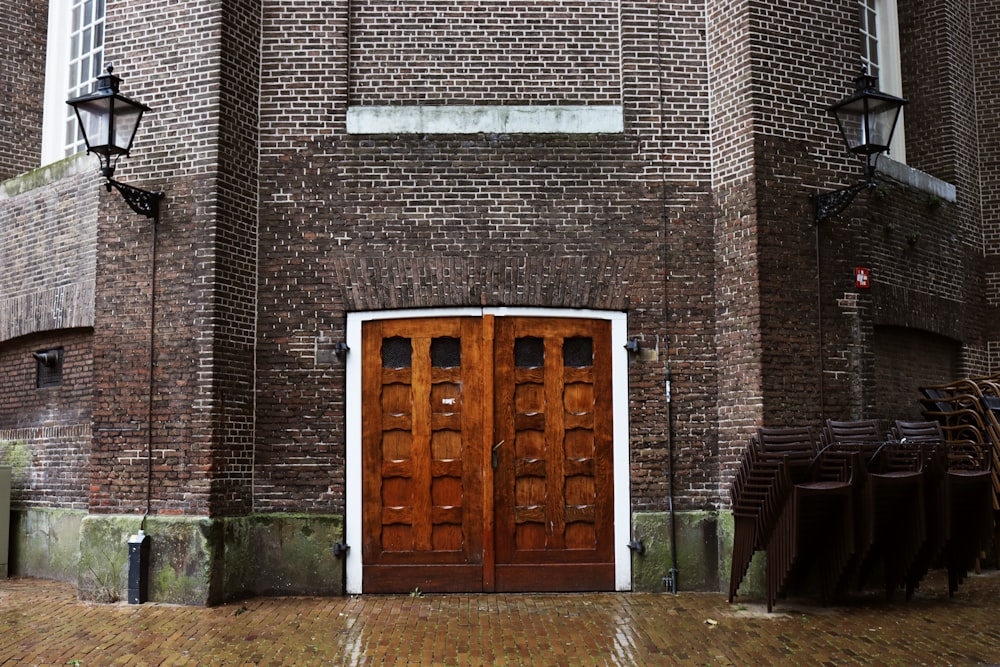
(649, 568)
(46, 543)
(169, 584)
(192, 560)
(182, 554)
(17, 455)
(104, 557)
(294, 554)
(702, 547)
(754, 582)
(38, 178)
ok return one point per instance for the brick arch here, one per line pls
(433, 282)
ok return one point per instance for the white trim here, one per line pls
(352, 457)
(56, 82)
(917, 179)
(69, 46)
(889, 67)
(620, 447)
(476, 119)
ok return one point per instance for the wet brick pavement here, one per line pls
(42, 623)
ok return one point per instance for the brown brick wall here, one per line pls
(52, 422)
(48, 225)
(57, 475)
(986, 38)
(908, 358)
(737, 351)
(696, 221)
(194, 63)
(23, 26)
(548, 221)
(234, 324)
(451, 52)
(818, 354)
(22, 404)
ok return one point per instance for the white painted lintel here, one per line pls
(486, 119)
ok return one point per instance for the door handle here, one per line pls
(496, 455)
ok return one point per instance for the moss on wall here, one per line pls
(295, 554)
(704, 542)
(45, 543)
(203, 561)
(103, 574)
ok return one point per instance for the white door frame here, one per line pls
(620, 447)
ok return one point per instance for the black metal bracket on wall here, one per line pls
(141, 201)
(828, 204)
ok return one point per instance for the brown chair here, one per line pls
(895, 483)
(930, 437)
(815, 523)
(758, 489)
(865, 431)
(889, 501)
(960, 514)
(864, 437)
(991, 422)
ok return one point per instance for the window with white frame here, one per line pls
(74, 59)
(880, 55)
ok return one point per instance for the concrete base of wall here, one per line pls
(704, 542)
(45, 543)
(204, 561)
(192, 560)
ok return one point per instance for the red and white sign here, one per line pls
(862, 277)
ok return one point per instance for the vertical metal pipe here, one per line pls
(819, 320)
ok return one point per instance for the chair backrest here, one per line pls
(992, 403)
(861, 430)
(925, 431)
(936, 398)
(796, 446)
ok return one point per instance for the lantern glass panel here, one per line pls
(881, 123)
(867, 124)
(126, 122)
(95, 121)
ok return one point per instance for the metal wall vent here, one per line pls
(48, 368)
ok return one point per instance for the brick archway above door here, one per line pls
(596, 283)
(487, 450)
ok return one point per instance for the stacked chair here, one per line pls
(837, 506)
(890, 514)
(968, 410)
(959, 497)
(795, 502)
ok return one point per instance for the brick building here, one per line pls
(392, 235)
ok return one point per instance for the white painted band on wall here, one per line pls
(475, 119)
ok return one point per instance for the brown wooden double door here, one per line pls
(487, 455)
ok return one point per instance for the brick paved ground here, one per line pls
(42, 623)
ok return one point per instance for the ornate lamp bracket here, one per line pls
(829, 204)
(141, 201)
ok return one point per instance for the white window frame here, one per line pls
(620, 446)
(58, 87)
(890, 79)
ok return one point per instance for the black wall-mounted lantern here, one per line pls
(108, 121)
(867, 120)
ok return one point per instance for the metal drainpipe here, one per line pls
(138, 544)
(819, 324)
(671, 579)
(152, 366)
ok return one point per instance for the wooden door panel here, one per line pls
(487, 455)
(422, 433)
(553, 484)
